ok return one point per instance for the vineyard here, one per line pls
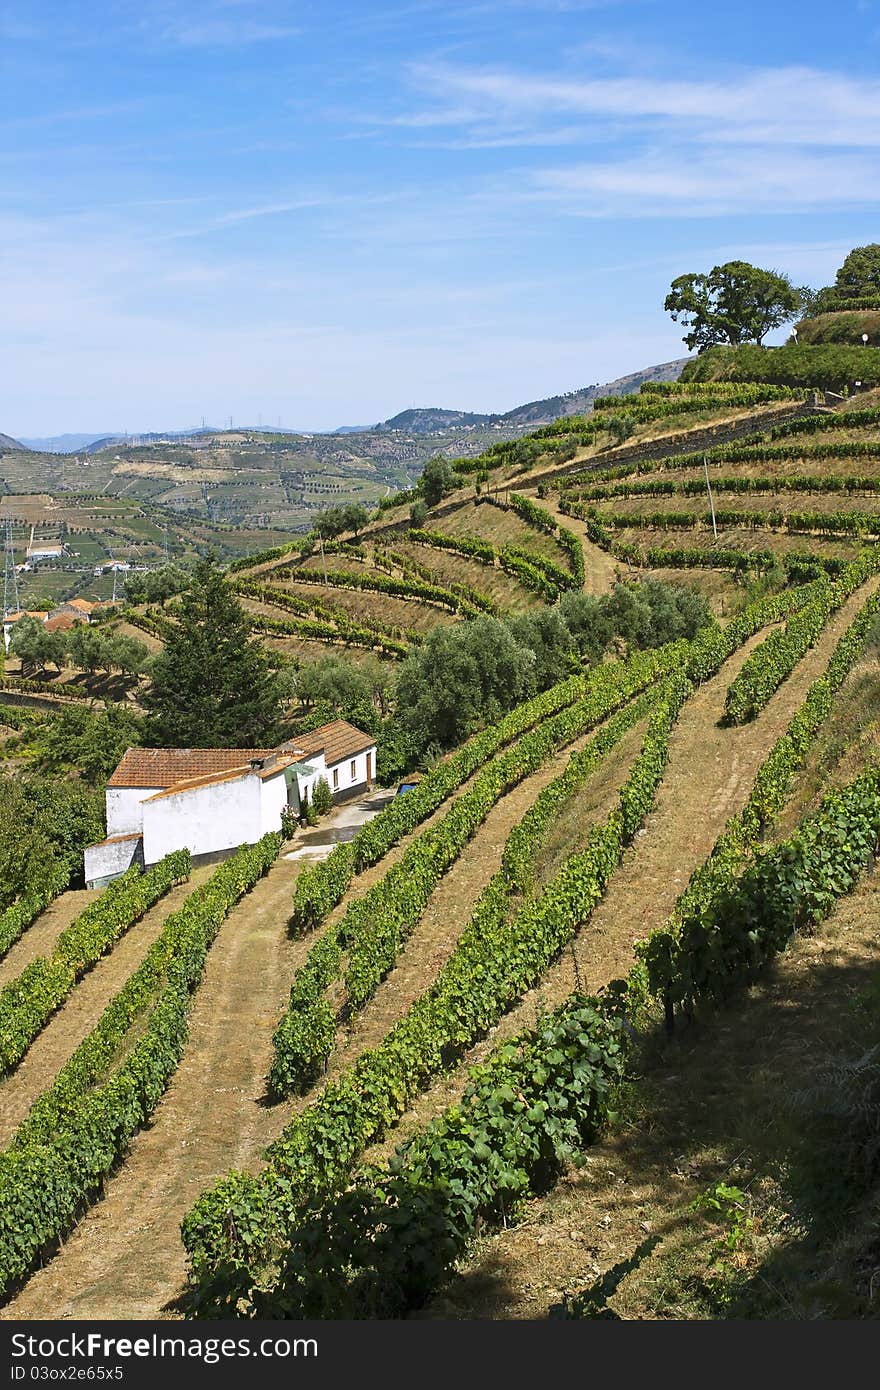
(362, 1086)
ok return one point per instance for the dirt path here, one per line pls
(81, 1011)
(708, 1110)
(707, 780)
(600, 568)
(125, 1259)
(39, 938)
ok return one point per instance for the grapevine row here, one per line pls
(376, 926)
(236, 1225)
(495, 962)
(28, 1001)
(773, 661)
(320, 887)
(80, 1128)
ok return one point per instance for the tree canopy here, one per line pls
(212, 685)
(735, 303)
(859, 276)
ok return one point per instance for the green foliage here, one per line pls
(470, 546)
(333, 522)
(81, 1126)
(772, 662)
(89, 741)
(418, 513)
(212, 685)
(28, 1001)
(859, 275)
(381, 1247)
(438, 478)
(45, 823)
(322, 797)
(829, 366)
(496, 959)
(402, 588)
(735, 303)
(158, 585)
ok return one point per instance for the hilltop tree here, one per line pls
(735, 303)
(859, 276)
(212, 685)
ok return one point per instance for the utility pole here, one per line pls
(10, 578)
(709, 490)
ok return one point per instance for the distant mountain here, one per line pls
(580, 401)
(7, 442)
(429, 420)
(420, 420)
(426, 420)
(62, 443)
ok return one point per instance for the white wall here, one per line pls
(346, 780)
(204, 820)
(273, 799)
(105, 861)
(124, 810)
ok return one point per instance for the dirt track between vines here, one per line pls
(39, 938)
(710, 1103)
(707, 780)
(81, 1010)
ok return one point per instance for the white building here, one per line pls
(211, 800)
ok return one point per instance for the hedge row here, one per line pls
(383, 1245)
(696, 487)
(235, 1225)
(375, 927)
(238, 1227)
(274, 552)
(774, 660)
(80, 1128)
(320, 887)
(669, 972)
(798, 567)
(415, 589)
(20, 914)
(336, 628)
(50, 688)
(759, 450)
(535, 572)
(797, 523)
(731, 925)
(472, 547)
(28, 1001)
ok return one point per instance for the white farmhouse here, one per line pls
(211, 800)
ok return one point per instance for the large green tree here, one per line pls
(735, 303)
(213, 685)
(859, 276)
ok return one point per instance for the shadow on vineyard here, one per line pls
(749, 1146)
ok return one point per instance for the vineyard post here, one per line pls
(709, 490)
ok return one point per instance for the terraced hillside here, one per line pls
(214, 1100)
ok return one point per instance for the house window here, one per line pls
(353, 769)
(336, 779)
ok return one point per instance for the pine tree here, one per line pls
(213, 687)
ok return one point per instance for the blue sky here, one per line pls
(327, 212)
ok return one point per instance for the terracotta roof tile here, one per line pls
(162, 767)
(338, 741)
